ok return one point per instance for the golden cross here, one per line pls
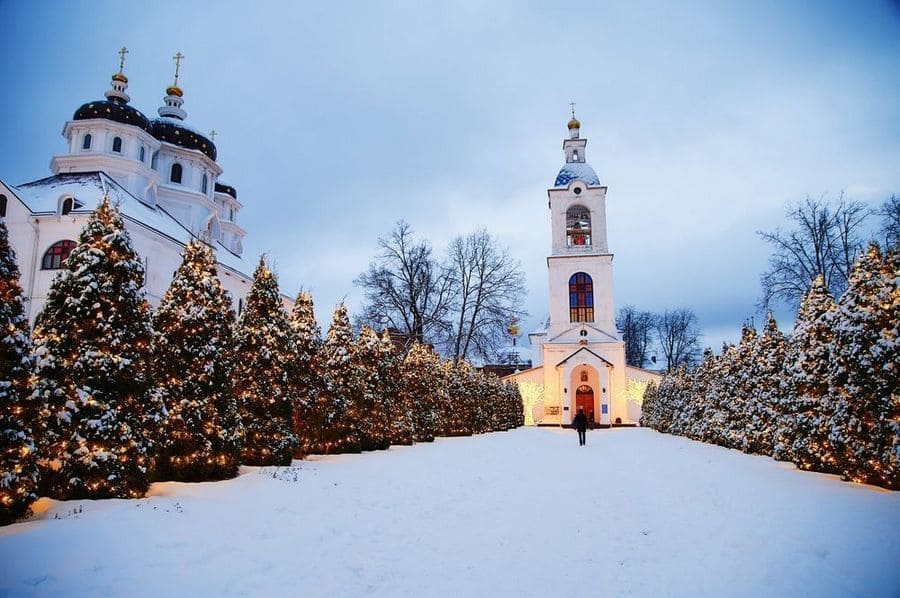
(212, 135)
(177, 58)
(122, 54)
(572, 104)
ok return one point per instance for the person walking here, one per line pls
(580, 423)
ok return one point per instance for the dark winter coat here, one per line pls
(580, 422)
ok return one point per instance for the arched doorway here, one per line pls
(584, 399)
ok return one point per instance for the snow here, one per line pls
(523, 513)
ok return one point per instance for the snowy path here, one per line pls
(521, 513)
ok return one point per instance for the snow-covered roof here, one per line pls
(576, 170)
(88, 188)
(523, 354)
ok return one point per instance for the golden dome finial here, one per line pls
(120, 76)
(574, 123)
(174, 90)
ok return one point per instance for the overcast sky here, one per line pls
(336, 119)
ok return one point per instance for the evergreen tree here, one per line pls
(704, 399)
(342, 416)
(399, 406)
(372, 401)
(18, 464)
(806, 430)
(768, 386)
(261, 376)
(192, 352)
(739, 385)
(460, 380)
(92, 344)
(420, 390)
(649, 406)
(715, 423)
(307, 379)
(864, 372)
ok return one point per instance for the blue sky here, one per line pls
(336, 119)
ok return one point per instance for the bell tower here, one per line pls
(582, 355)
(580, 264)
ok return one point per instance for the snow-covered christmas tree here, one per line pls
(804, 432)
(769, 391)
(18, 464)
(865, 367)
(306, 378)
(191, 364)
(420, 390)
(92, 344)
(400, 414)
(371, 397)
(342, 380)
(261, 374)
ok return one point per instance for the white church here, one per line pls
(579, 359)
(161, 172)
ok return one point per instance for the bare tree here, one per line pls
(405, 287)
(678, 336)
(890, 222)
(824, 241)
(637, 328)
(489, 287)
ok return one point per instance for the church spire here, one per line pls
(119, 83)
(574, 145)
(174, 100)
(574, 124)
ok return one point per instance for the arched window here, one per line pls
(240, 305)
(142, 154)
(57, 254)
(578, 226)
(117, 145)
(153, 160)
(67, 205)
(2, 206)
(86, 142)
(204, 183)
(581, 298)
(175, 174)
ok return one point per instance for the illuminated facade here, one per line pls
(579, 359)
(161, 172)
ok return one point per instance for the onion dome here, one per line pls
(172, 130)
(227, 189)
(170, 127)
(574, 124)
(576, 170)
(113, 110)
(115, 107)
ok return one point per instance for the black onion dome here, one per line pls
(170, 131)
(119, 112)
(220, 188)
